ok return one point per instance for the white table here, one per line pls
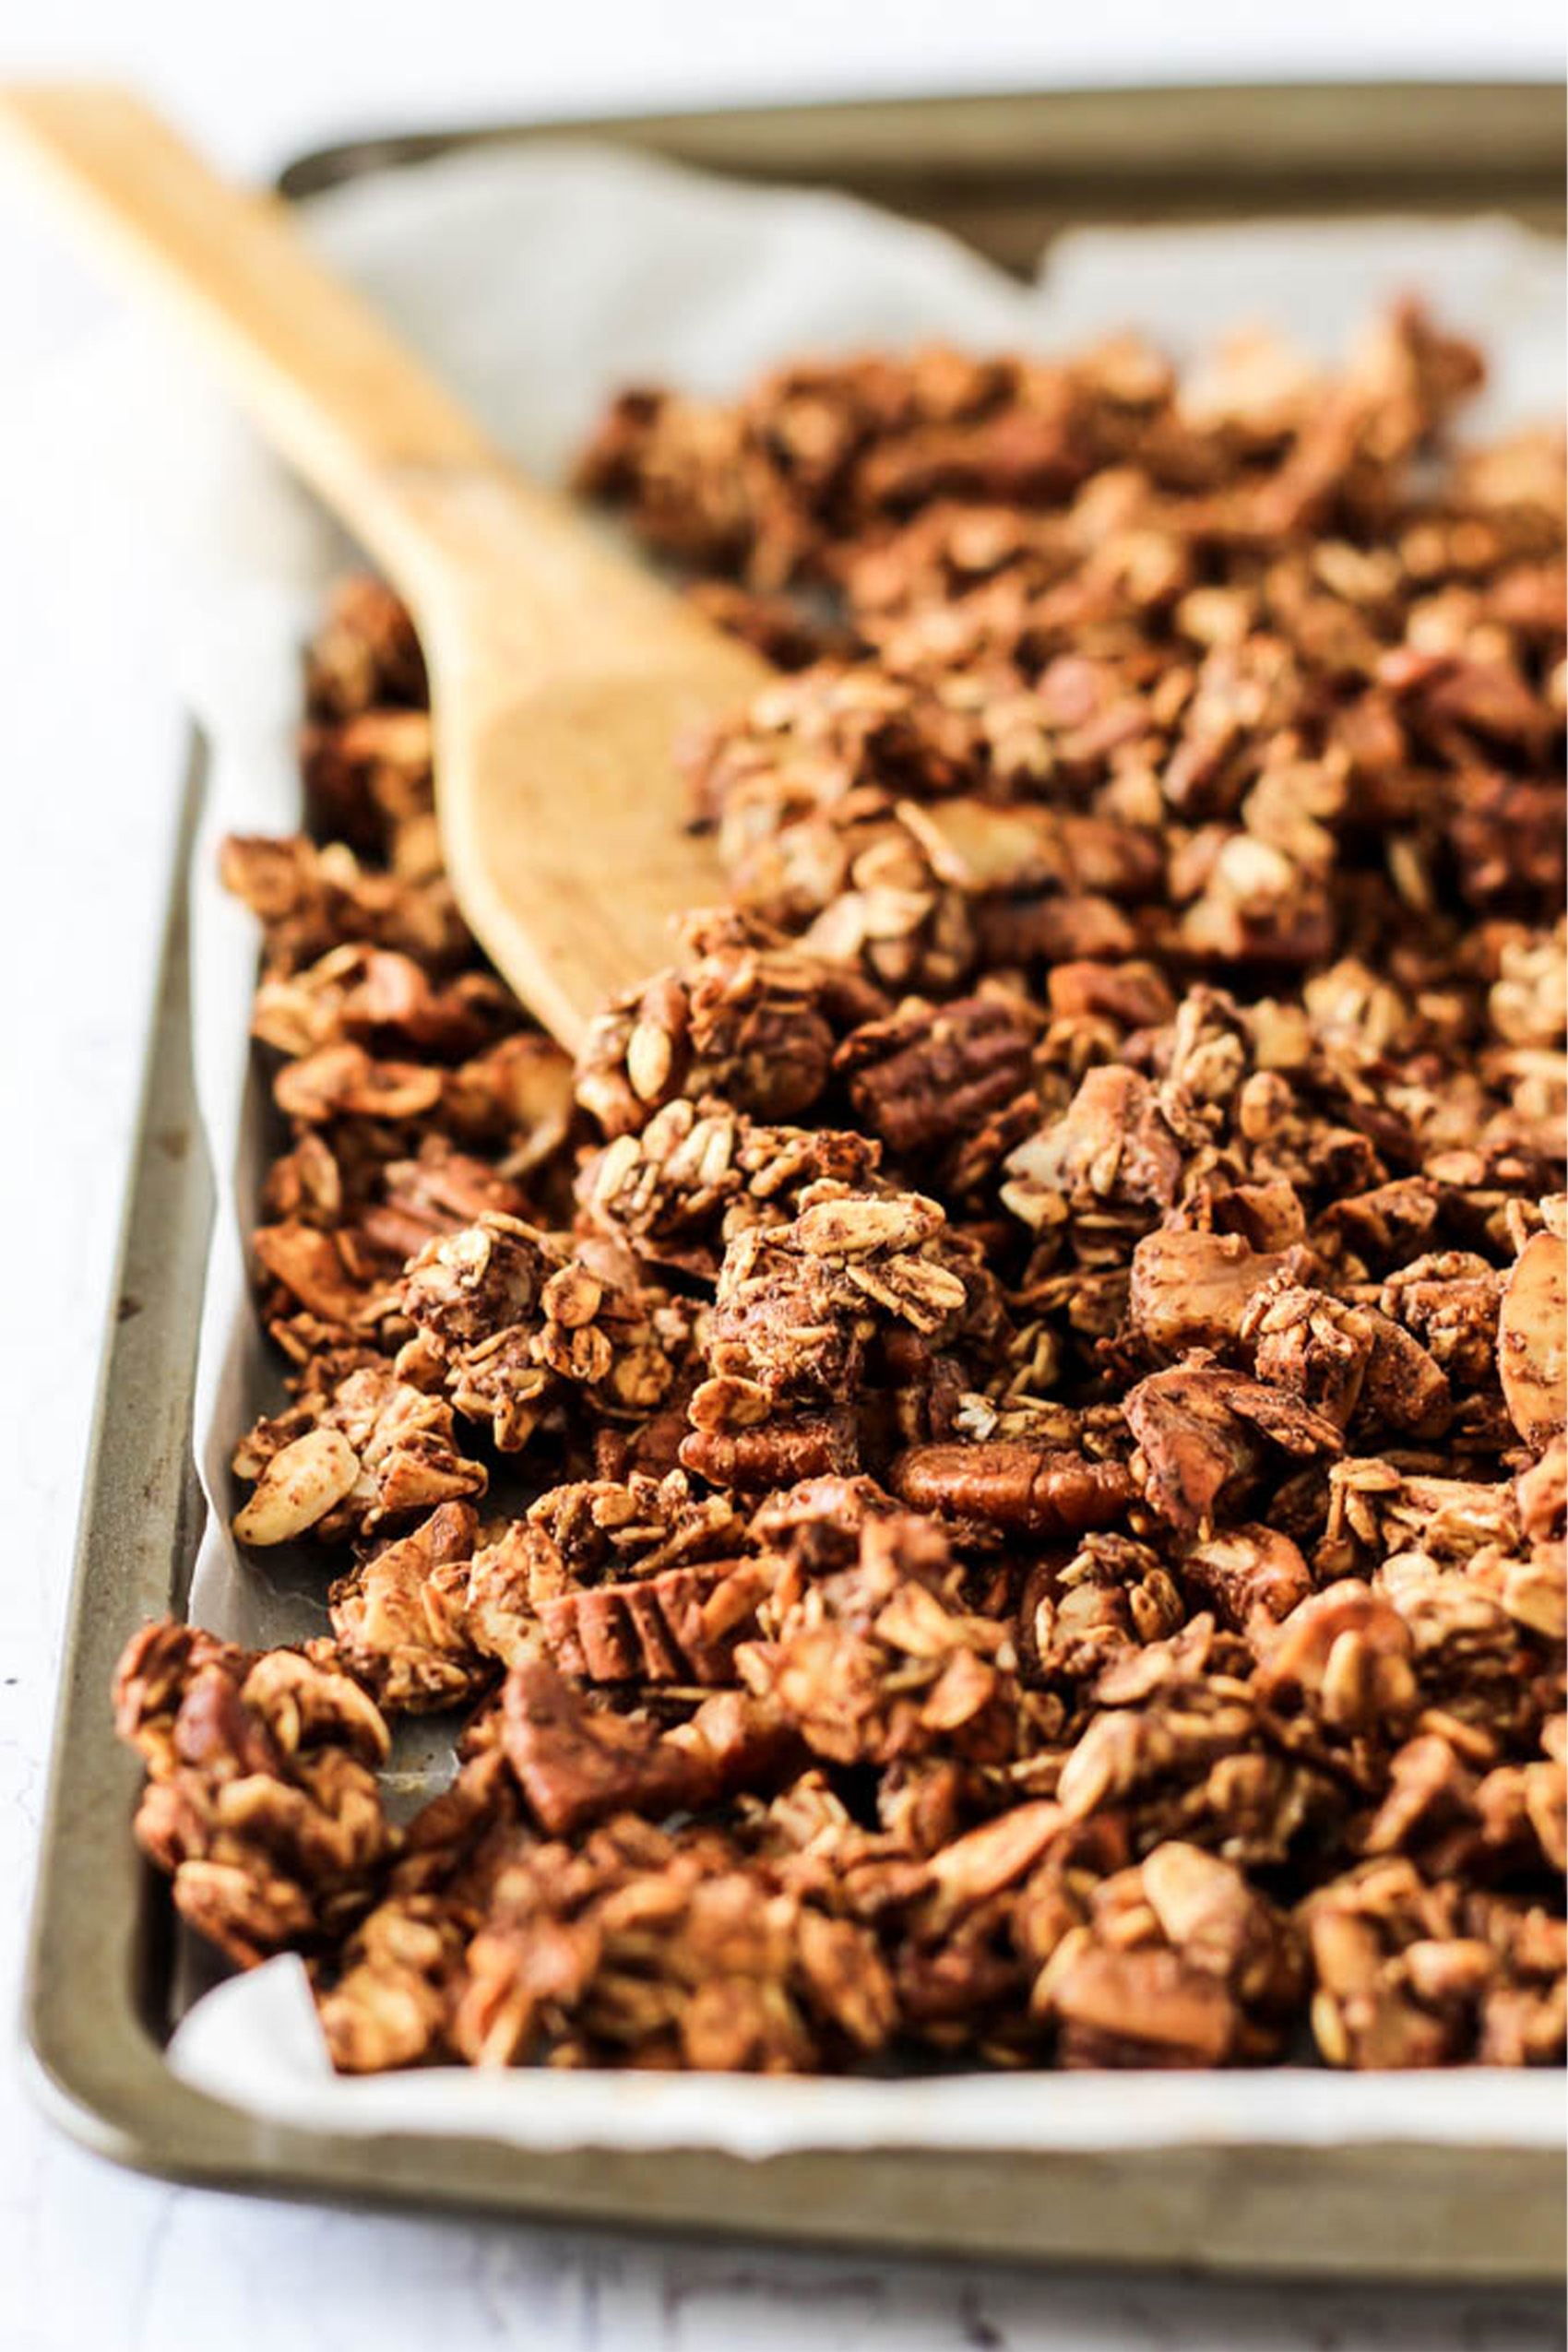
(91, 744)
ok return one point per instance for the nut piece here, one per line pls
(1200, 1431)
(1013, 1485)
(1253, 1577)
(1193, 1290)
(298, 1488)
(679, 1626)
(574, 1767)
(1532, 1339)
(933, 1072)
(1113, 1145)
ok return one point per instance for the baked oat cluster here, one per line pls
(989, 1466)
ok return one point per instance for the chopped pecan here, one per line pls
(575, 1765)
(679, 1625)
(1013, 1485)
(933, 1071)
(779, 1452)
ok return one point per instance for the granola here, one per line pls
(988, 1467)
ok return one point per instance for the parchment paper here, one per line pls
(539, 284)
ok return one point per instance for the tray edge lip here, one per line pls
(319, 169)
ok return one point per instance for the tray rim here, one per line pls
(1481, 124)
(92, 2059)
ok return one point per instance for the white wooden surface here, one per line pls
(90, 748)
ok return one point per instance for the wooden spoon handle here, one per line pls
(385, 446)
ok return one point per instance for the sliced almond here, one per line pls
(1532, 1339)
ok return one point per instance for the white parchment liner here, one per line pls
(539, 283)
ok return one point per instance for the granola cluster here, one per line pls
(989, 1466)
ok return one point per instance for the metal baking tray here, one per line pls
(1004, 172)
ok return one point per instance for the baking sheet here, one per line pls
(539, 283)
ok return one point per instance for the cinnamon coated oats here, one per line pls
(989, 1467)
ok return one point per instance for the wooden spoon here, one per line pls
(561, 676)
